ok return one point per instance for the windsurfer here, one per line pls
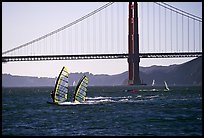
(52, 95)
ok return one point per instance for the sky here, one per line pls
(25, 21)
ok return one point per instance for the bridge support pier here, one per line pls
(133, 46)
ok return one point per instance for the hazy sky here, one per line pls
(25, 21)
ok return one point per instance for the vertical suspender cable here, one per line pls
(199, 47)
(154, 27)
(70, 40)
(165, 27)
(112, 39)
(82, 37)
(194, 34)
(94, 34)
(79, 39)
(123, 26)
(159, 31)
(118, 31)
(50, 45)
(182, 33)
(65, 39)
(148, 25)
(56, 42)
(100, 48)
(141, 23)
(188, 34)
(88, 32)
(177, 31)
(31, 49)
(106, 32)
(110, 30)
(46, 46)
(171, 30)
(76, 39)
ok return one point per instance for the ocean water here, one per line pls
(108, 111)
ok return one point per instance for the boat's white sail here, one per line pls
(153, 81)
(80, 91)
(61, 86)
(166, 86)
(74, 83)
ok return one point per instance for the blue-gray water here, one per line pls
(109, 111)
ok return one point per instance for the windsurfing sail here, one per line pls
(166, 87)
(80, 91)
(61, 86)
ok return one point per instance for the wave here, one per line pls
(102, 100)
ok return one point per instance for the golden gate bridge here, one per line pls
(119, 30)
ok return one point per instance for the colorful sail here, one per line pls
(80, 91)
(61, 86)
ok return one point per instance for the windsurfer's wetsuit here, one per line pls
(52, 96)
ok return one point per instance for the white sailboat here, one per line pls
(166, 87)
(153, 83)
(74, 83)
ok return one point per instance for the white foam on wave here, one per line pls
(95, 98)
(153, 96)
(70, 103)
(101, 99)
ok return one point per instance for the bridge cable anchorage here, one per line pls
(60, 29)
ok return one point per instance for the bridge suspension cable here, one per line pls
(180, 12)
(60, 29)
(172, 32)
(165, 28)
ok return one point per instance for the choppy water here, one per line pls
(109, 111)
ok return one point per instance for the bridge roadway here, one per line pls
(98, 56)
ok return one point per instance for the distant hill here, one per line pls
(25, 81)
(189, 73)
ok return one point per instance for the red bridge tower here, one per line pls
(133, 45)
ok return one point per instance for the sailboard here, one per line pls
(80, 91)
(166, 86)
(61, 87)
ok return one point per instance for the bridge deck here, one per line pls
(98, 56)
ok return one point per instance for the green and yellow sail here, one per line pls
(61, 86)
(80, 91)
